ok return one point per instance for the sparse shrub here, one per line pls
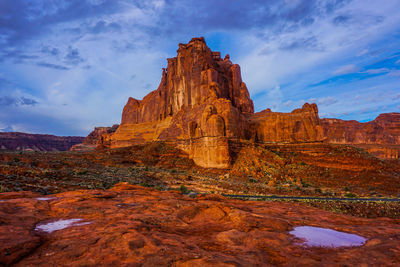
(350, 195)
(184, 189)
(278, 153)
(144, 184)
(305, 184)
(317, 190)
(3, 189)
(82, 172)
(35, 163)
(159, 188)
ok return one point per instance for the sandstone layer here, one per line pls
(380, 137)
(37, 142)
(136, 226)
(93, 140)
(201, 105)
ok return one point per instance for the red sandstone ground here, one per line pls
(137, 226)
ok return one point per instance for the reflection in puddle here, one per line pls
(59, 225)
(45, 198)
(323, 237)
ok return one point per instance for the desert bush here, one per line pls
(184, 189)
(350, 195)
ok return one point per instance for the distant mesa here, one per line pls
(37, 142)
(203, 107)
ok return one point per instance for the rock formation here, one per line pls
(93, 140)
(201, 105)
(37, 142)
(137, 226)
(385, 129)
(380, 137)
(301, 125)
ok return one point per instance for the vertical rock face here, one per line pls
(201, 104)
(385, 129)
(380, 137)
(196, 76)
(301, 125)
(94, 139)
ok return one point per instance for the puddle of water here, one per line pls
(45, 198)
(59, 225)
(323, 237)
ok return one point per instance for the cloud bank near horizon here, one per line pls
(67, 66)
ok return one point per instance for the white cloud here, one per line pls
(377, 71)
(363, 52)
(288, 103)
(395, 73)
(327, 101)
(346, 69)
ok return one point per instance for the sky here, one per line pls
(68, 66)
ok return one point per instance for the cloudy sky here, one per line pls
(67, 66)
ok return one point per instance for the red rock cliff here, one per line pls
(95, 138)
(202, 103)
(195, 76)
(301, 125)
(385, 129)
(380, 137)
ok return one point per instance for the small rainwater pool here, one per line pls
(324, 237)
(45, 198)
(50, 227)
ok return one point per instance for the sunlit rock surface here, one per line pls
(380, 137)
(201, 105)
(136, 226)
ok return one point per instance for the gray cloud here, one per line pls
(341, 20)
(8, 101)
(50, 50)
(20, 21)
(27, 101)
(73, 56)
(16, 56)
(51, 66)
(309, 43)
(101, 27)
(17, 101)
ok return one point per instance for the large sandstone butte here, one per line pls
(203, 106)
